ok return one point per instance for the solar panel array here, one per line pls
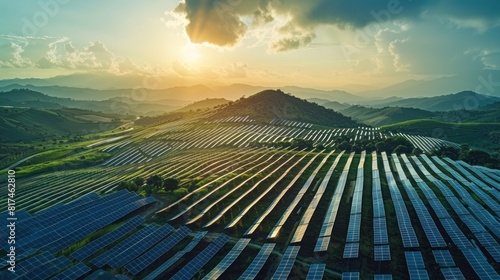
(416, 266)
(427, 223)
(157, 251)
(286, 214)
(333, 208)
(217, 271)
(74, 272)
(105, 257)
(353, 230)
(480, 264)
(46, 269)
(140, 247)
(57, 229)
(166, 265)
(380, 235)
(191, 268)
(306, 218)
(316, 271)
(286, 263)
(94, 246)
(404, 223)
(258, 262)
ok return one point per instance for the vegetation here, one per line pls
(481, 135)
(153, 184)
(471, 156)
(271, 104)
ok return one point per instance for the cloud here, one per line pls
(226, 22)
(209, 21)
(59, 52)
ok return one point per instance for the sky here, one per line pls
(323, 44)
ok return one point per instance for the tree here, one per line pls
(475, 157)
(139, 181)
(345, 146)
(170, 184)
(370, 147)
(155, 181)
(128, 185)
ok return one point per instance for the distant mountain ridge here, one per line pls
(465, 100)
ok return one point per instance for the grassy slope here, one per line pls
(384, 116)
(34, 124)
(475, 134)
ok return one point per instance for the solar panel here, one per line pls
(34, 261)
(316, 271)
(494, 251)
(286, 263)
(380, 235)
(351, 250)
(382, 253)
(93, 247)
(140, 247)
(103, 258)
(258, 262)
(354, 228)
(47, 269)
(162, 268)
(333, 207)
(414, 260)
(228, 259)
(322, 244)
(74, 272)
(350, 276)
(418, 274)
(157, 251)
(443, 258)
(190, 269)
(455, 234)
(382, 277)
(452, 273)
(77, 232)
(479, 263)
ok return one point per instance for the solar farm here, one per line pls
(244, 211)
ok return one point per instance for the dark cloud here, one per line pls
(212, 21)
(220, 22)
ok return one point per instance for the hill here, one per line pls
(465, 100)
(204, 104)
(336, 106)
(271, 104)
(478, 81)
(384, 116)
(117, 105)
(482, 135)
(22, 124)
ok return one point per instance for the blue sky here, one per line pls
(318, 43)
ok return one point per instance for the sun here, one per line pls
(191, 54)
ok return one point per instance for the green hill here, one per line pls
(465, 100)
(120, 105)
(22, 124)
(482, 135)
(208, 103)
(384, 116)
(271, 104)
